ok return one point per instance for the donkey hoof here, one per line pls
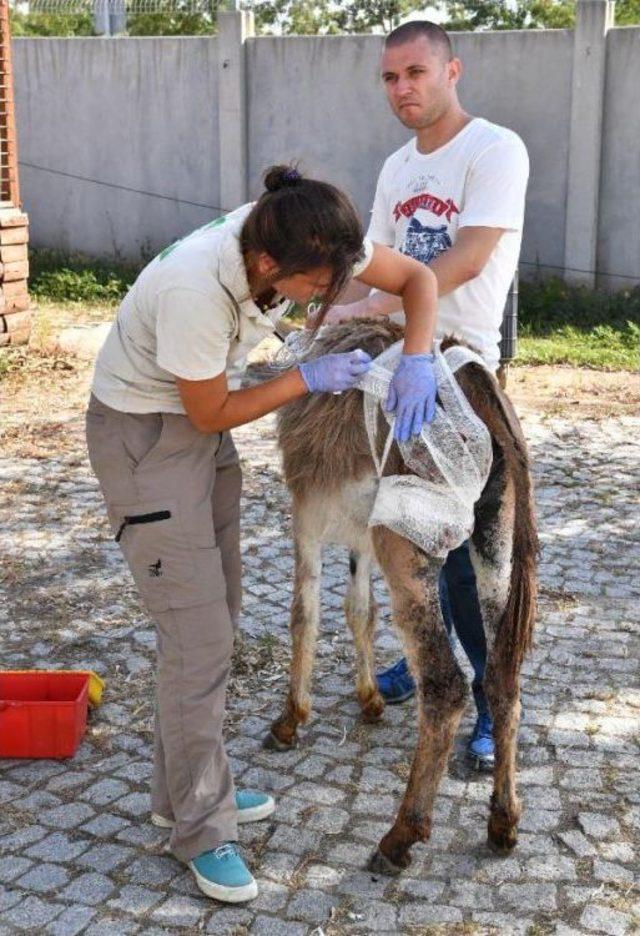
(370, 719)
(372, 708)
(380, 864)
(502, 841)
(372, 715)
(272, 743)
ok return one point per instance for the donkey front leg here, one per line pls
(305, 617)
(441, 690)
(360, 610)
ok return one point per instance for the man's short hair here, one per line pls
(417, 28)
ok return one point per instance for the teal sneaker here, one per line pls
(222, 874)
(251, 807)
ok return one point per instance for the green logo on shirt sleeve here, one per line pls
(211, 224)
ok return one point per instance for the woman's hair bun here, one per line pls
(279, 177)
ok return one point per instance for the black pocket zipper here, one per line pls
(142, 518)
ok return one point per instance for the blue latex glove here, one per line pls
(332, 373)
(412, 394)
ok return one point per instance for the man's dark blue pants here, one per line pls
(461, 611)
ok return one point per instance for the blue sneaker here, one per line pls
(481, 747)
(251, 807)
(396, 683)
(222, 874)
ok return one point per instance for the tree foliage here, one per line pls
(628, 12)
(281, 17)
(324, 17)
(524, 14)
(306, 17)
(177, 19)
(170, 18)
(507, 14)
(50, 24)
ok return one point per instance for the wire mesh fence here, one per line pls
(119, 7)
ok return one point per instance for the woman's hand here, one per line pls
(333, 373)
(412, 394)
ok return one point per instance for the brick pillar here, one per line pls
(15, 315)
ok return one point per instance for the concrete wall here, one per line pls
(140, 113)
(619, 217)
(523, 81)
(321, 100)
(145, 114)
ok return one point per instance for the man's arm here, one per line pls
(462, 262)
(466, 259)
(413, 286)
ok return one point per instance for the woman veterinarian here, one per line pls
(164, 397)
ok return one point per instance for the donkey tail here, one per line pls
(514, 635)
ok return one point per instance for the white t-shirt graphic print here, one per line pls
(477, 179)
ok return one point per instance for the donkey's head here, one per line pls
(322, 436)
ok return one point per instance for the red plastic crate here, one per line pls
(42, 713)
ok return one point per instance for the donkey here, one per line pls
(329, 470)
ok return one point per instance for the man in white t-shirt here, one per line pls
(453, 197)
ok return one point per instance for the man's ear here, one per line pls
(455, 70)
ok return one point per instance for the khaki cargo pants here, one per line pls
(173, 500)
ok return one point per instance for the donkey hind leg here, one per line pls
(360, 610)
(491, 555)
(412, 578)
(305, 617)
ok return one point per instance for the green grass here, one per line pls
(558, 324)
(603, 348)
(60, 277)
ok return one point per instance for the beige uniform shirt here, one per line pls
(190, 315)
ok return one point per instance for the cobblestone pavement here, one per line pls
(77, 853)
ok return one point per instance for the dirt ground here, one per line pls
(561, 390)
